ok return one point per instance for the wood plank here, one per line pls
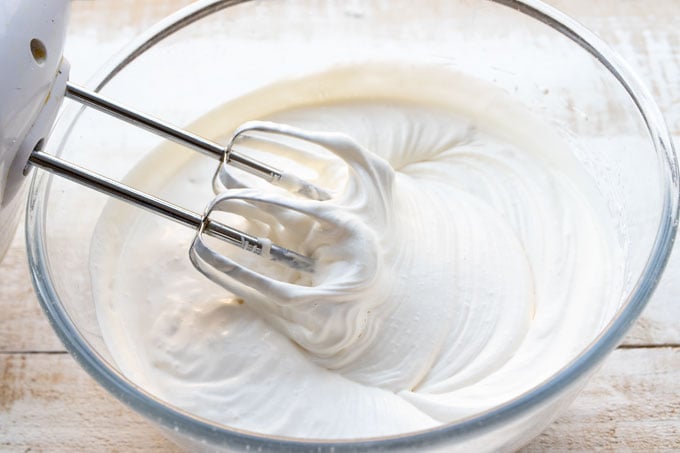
(99, 29)
(646, 35)
(632, 403)
(47, 401)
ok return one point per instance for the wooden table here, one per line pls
(633, 403)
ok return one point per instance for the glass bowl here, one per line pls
(214, 51)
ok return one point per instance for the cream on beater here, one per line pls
(464, 257)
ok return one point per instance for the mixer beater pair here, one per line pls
(227, 155)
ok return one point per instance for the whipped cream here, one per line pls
(464, 257)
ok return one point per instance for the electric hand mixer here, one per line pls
(33, 84)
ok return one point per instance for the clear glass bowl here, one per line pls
(214, 51)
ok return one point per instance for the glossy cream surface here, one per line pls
(464, 257)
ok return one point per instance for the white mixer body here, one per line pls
(32, 83)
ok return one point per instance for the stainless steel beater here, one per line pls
(31, 95)
(226, 154)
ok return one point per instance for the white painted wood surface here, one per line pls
(47, 403)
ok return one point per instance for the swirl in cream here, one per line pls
(464, 257)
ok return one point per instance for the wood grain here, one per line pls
(47, 403)
(631, 404)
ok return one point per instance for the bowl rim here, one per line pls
(175, 419)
